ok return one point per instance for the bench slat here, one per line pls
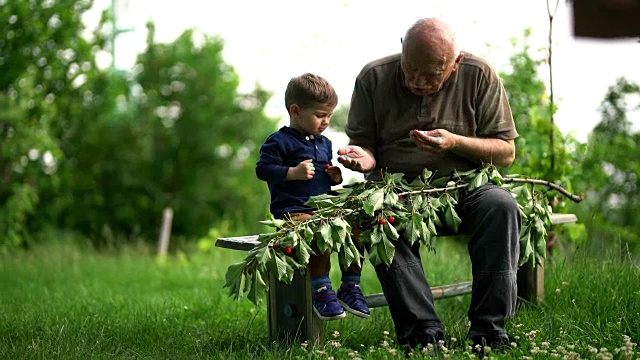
(439, 292)
(249, 242)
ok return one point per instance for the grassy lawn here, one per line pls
(57, 301)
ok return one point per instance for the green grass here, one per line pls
(60, 302)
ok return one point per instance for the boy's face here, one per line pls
(312, 120)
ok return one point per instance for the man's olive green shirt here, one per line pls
(472, 103)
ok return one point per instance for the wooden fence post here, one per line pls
(165, 232)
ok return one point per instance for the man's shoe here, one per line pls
(351, 298)
(424, 338)
(325, 304)
(483, 345)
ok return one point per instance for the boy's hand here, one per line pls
(334, 172)
(304, 171)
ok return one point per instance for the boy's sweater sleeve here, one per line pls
(270, 166)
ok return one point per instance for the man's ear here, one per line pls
(456, 63)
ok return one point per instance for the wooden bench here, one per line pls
(290, 314)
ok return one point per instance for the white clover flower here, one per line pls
(335, 334)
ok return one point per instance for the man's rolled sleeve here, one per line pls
(494, 117)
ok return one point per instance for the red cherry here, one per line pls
(326, 166)
(382, 221)
(391, 219)
(287, 250)
(400, 197)
(275, 246)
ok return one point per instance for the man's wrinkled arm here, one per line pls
(498, 152)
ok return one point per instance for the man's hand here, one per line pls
(356, 158)
(437, 140)
(335, 174)
(303, 171)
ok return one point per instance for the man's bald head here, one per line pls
(431, 39)
(429, 56)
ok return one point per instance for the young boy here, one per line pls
(295, 162)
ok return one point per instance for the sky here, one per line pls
(269, 42)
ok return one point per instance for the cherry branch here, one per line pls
(560, 189)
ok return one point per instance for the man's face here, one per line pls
(425, 76)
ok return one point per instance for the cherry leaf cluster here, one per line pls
(364, 221)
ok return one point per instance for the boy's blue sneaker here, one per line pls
(325, 304)
(351, 298)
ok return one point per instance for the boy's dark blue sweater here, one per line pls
(287, 148)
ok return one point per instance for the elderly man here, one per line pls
(437, 108)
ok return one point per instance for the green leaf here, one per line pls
(496, 177)
(476, 182)
(390, 231)
(376, 235)
(234, 279)
(258, 289)
(374, 202)
(308, 234)
(339, 232)
(265, 255)
(374, 259)
(540, 242)
(525, 248)
(412, 229)
(304, 252)
(273, 222)
(386, 251)
(324, 240)
(281, 267)
(452, 219)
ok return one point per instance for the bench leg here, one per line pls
(290, 313)
(531, 282)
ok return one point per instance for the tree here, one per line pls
(178, 135)
(43, 61)
(611, 173)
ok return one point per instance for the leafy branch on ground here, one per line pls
(381, 211)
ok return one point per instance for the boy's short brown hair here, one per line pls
(309, 89)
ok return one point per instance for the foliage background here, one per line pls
(101, 152)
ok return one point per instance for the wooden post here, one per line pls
(165, 232)
(531, 282)
(289, 310)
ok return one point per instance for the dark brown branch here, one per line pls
(560, 189)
